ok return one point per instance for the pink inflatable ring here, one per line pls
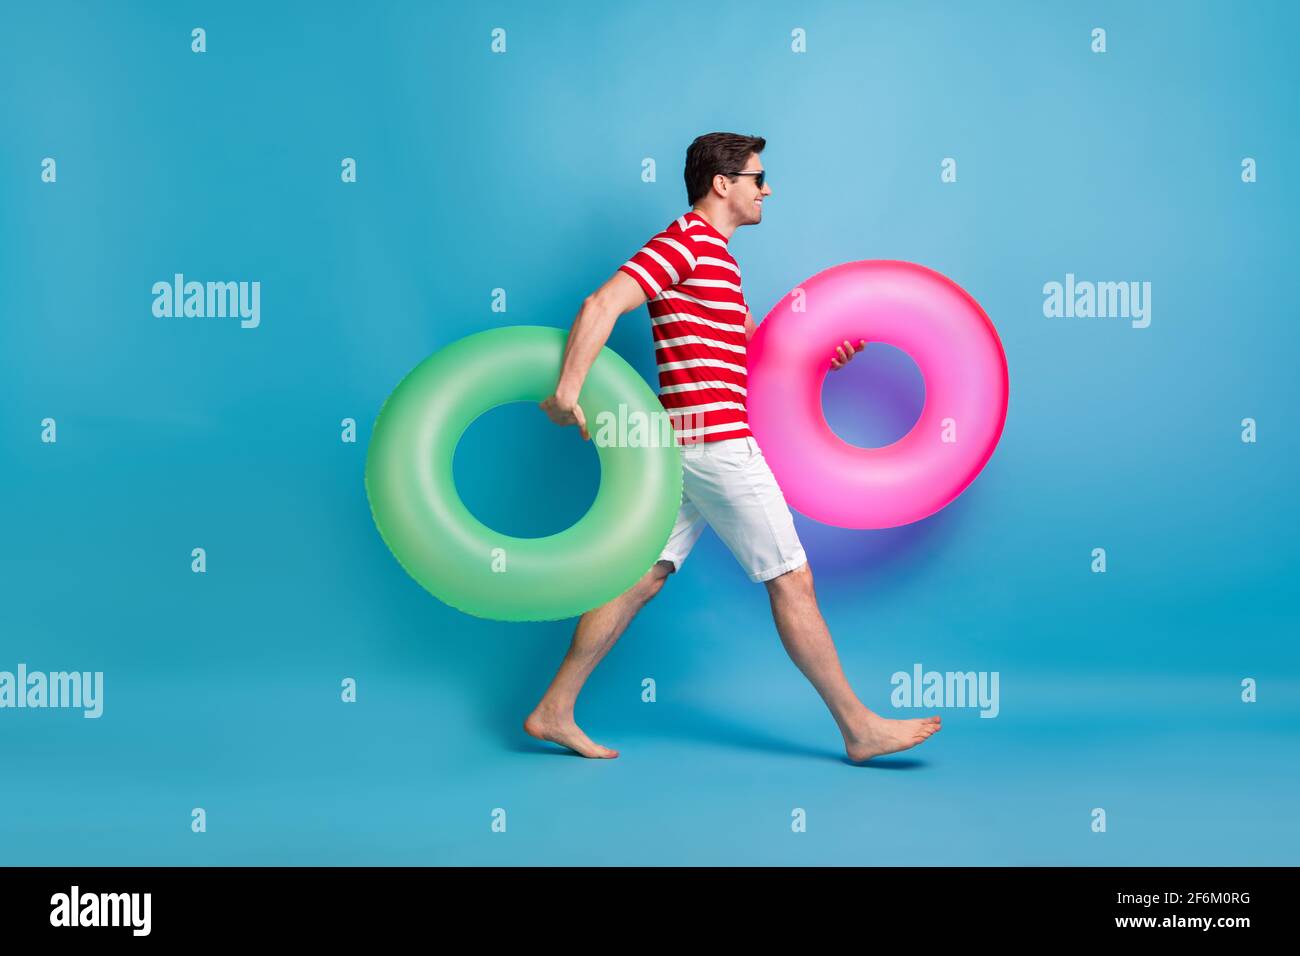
(952, 341)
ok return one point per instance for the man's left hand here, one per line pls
(843, 353)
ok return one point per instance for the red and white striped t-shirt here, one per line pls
(697, 311)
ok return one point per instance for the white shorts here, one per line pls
(729, 485)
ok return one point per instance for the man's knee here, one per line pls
(796, 581)
(653, 581)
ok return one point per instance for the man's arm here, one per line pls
(749, 325)
(587, 337)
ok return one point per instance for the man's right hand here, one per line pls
(566, 413)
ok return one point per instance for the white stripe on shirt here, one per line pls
(696, 340)
(707, 407)
(697, 386)
(713, 239)
(699, 363)
(714, 284)
(692, 317)
(706, 303)
(711, 261)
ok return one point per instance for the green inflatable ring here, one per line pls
(466, 564)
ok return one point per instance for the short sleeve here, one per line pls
(663, 262)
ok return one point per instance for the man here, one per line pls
(701, 324)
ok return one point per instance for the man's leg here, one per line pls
(808, 642)
(595, 634)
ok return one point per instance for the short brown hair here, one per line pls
(715, 153)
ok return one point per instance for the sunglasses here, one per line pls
(760, 176)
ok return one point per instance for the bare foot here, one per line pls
(876, 736)
(566, 733)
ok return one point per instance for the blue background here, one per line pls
(523, 171)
